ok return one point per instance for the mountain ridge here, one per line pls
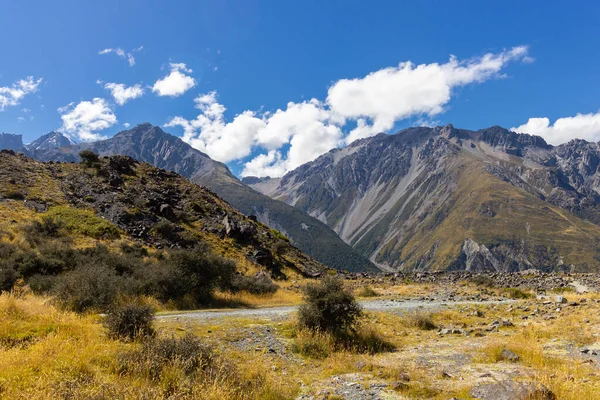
(390, 197)
(151, 144)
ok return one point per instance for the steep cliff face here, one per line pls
(447, 198)
(151, 144)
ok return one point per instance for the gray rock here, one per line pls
(560, 300)
(511, 390)
(509, 355)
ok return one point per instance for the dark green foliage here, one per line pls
(329, 307)
(280, 247)
(483, 280)
(130, 321)
(88, 289)
(8, 276)
(260, 284)
(15, 195)
(46, 227)
(188, 354)
(136, 250)
(166, 230)
(197, 273)
(88, 157)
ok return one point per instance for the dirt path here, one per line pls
(390, 306)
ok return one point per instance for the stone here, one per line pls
(509, 355)
(511, 390)
(560, 300)
(399, 386)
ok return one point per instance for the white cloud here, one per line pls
(126, 124)
(176, 83)
(305, 127)
(87, 118)
(287, 138)
(12, 96)
(581, 126)
(122, 53)
(122, 94)
(380, 99)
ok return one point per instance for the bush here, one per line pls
(88, 157)
(367, 291)
(260, 284)
(15, 195)
(130, 321)
(198, 273)
(188, 354)
(46, 227)
(88, 288)
(329, 307)
(421, 321)
(280, 247)
(8, 276)
(483, 280)
(516, 293)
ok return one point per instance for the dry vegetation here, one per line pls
(49, 353)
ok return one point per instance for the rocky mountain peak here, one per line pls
(51, 140)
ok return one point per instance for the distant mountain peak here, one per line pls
(51, 140)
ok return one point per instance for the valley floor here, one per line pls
(478, 336)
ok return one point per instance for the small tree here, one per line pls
(329, 307)
(88, 157)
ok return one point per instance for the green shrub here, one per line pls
(367, 291)
(46, 227)
(8, 276)
(516, 293)
(15, 195)
(129, 322)
(280, 247)
(88, 289)
(328, 307)
(187, 354)
(260, 284)
(88, 157)
(483, 280)
(420, 320)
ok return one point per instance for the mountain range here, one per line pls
(422, 199)
(446, 198)
(151, 144)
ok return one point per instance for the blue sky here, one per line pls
(252, 58)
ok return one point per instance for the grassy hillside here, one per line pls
(115, 227)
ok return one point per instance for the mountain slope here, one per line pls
(151, 144)
(445, 198)
(120, 198)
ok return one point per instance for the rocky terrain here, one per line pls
(151, 144)
(447, 198)
(153, 206)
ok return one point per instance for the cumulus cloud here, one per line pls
(12, 95)
(380, 99)
(122, 53)
(306, 127)
(365, 106)
(122, 94)
(581, 126)
(176, 83)
(126, 124)
(87, 118)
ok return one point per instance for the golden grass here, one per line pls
(46, 353)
